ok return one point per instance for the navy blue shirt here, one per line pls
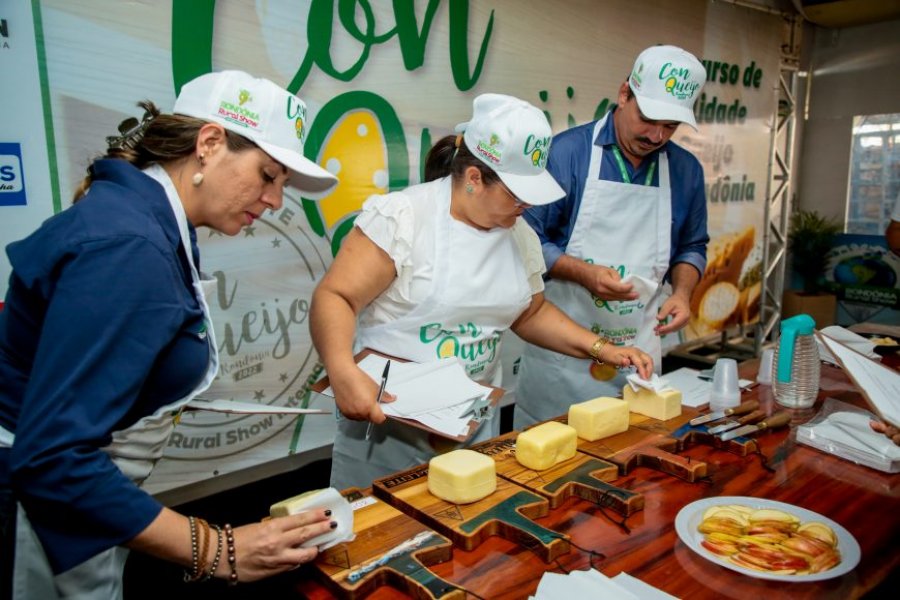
(570, 157)
(100, 328)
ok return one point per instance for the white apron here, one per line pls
(626, 226)
(479, 289)
(134, 450)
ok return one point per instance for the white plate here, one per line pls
(689, 518)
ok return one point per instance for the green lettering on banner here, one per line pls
(192, 39)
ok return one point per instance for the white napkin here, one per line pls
(854, 341)
(646, 288)
(594, 584)
(655, 384)
(852, 429)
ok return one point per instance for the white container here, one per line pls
(726, 390)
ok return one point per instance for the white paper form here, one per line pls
(878, 383)
(694, 391)
(435, 393)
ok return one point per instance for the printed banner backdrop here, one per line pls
(861, 269)
(382, 81)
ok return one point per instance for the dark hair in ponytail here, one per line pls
(156, 138)
(450, 156)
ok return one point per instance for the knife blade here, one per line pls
(776, 420)
(732, 423)
(740, 409)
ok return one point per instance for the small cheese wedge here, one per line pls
(543, 446)
(599, 418)
(662, 405)
(462, 476)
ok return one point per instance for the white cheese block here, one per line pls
(662, 405)
(462, 476)
(599, 418)
(543, 446)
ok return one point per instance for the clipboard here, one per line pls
(881, 411)
(493, 400)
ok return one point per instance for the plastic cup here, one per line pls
(765, 367)
(726, 391)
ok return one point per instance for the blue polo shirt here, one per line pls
(100, 328)
(570, 156)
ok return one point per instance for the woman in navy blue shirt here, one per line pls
(106, 335)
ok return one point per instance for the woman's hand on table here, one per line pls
(273, 546)
(889, 430)
(628, 356)
(355, 394)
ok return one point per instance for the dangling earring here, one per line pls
(470, 188)
(197, 179)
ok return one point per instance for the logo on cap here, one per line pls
(537, 149)
(677, 81)
(636, 77)
(296, 111)
(488, 149)
(237, 113)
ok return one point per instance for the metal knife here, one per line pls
(776, 420)
(732, 423)
(740, 409)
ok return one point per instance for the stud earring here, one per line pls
(197, 179)
(469, 188)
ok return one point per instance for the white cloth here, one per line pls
(478, 285)
(624, 226)
(134, 450)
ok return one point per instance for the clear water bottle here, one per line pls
(796, 363)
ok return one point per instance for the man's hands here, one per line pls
(606, 284)
(676, 306)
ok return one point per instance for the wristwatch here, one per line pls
(596, 347)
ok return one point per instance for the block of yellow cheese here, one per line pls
(599, 418)
(663, 405)
(462, 476)
(543, 446)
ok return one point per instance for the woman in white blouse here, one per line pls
(444, 268)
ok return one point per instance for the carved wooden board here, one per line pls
(379, 528)
(506, 513)
(647, 443)
(690, 435)
(582, 475)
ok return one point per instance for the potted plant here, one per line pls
(810, 237)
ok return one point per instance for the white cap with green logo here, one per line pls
(269, 116)
(666, 82)
(513, 137)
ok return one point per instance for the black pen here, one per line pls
(384, 376)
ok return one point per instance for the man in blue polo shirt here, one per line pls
(634, 217)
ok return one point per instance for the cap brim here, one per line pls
(533, 189)
(663, 111)
(305, 175)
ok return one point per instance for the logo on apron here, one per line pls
(466, 341)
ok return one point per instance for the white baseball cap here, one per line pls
(666, 81)
(513, 138)
(269, 116)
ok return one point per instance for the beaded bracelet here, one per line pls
(215, 562)
(232, 560)
(195, 557)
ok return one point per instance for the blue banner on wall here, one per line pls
(862, 269)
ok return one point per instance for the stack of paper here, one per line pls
(437, 394)
(594, 584)
(854, 341)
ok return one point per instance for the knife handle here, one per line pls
(750, 418)
(776, 420)
(742, 408)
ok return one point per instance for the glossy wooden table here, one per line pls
(866, 502)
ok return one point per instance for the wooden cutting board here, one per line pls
(647, 443)
(582, 475)
(379, 528)
(506, 513)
